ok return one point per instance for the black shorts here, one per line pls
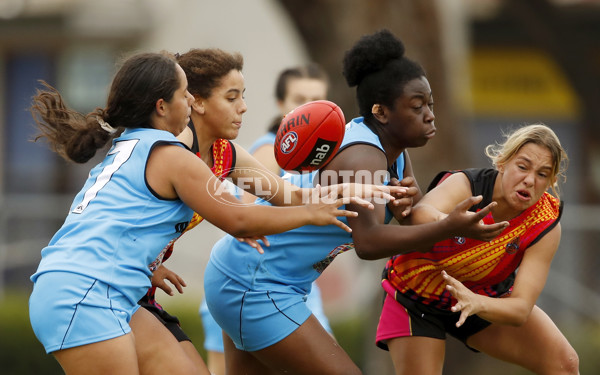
(427, 321)
(169, 321)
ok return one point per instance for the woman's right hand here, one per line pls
(470, 224)
(365, 193)
(324, 210)
(326, 200)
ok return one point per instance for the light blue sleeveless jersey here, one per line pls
(117, 228)
(265, 139)
(297, 257)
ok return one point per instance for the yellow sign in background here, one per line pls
(519, 82)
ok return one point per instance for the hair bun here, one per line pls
(370, 54)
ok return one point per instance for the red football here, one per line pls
(309, 136)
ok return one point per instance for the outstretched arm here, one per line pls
(265, 155)
(252, 176)
(374, 240)
(173, 172)
(451, 200)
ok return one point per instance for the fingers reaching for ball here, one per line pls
(325, 210)
(364, 194)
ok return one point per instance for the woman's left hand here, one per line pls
(467, 301)
(161, 274)
(401, 207)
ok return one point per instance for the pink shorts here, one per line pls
(393, 322)
(412, 318)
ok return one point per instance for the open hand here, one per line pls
(365, 193)
(161, 274)
(470, 224)
(325, 210)
(466, 299)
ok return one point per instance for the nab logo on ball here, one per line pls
(323, 149)
(309, 136)
(289, 142)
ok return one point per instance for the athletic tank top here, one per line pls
(118, 228)
(486, 268)
(223, 163)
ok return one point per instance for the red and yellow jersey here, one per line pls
(223, 164)
(487, 268)
(223, 158)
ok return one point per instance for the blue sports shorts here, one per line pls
(213, 335)
(68, 309)
(253, 318)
